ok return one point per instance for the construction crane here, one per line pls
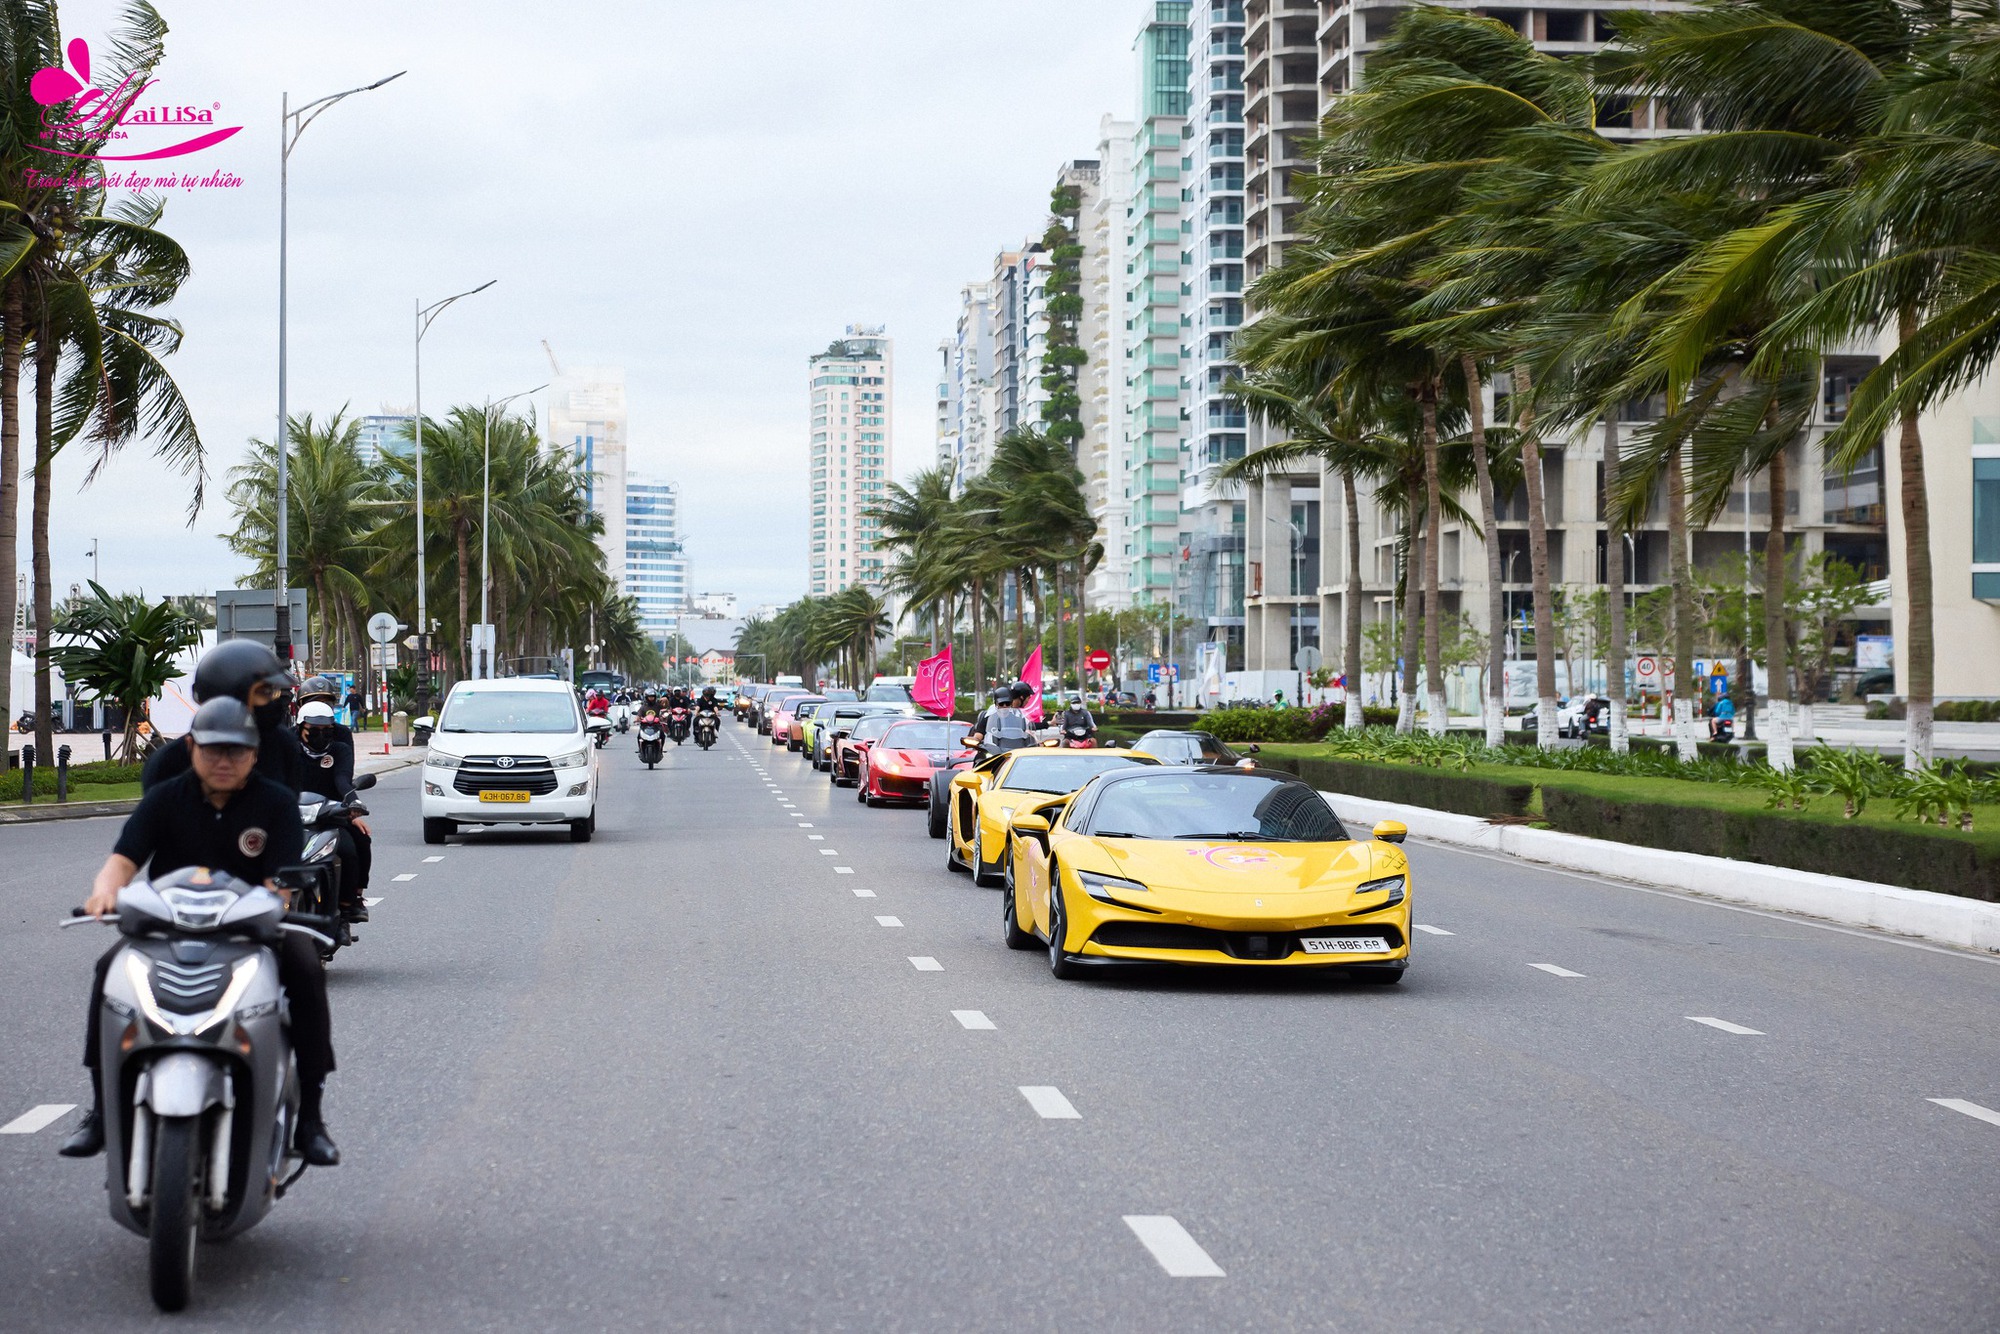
(551, 354)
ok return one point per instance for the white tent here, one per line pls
(23, 676)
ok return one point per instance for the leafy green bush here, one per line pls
(80, 775)
(1260, 725)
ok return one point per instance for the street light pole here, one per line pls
(292, 124)
(485, 670)
(425, 314)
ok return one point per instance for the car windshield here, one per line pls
(888, 692)
(1183, 747)
(841, 694)
(874, 725)
(1060, 771)
(509, 711)
(1214, 806)
(925, 735)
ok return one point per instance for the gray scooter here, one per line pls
(200, 1092)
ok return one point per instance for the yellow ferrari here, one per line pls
(982, 797)
(1208, 865)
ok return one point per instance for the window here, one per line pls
(1986, 511)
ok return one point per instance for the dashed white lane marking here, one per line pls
(1554, 971)
(1433, 930)
(407, 875)
(923, 963)
(1726, 1026)
(805, 826)
(829, 852)
(1049, 1103)
(369, 903)
(864, 893)
(433, 859)
(1971, 1109)
(971, 1018)
(36, 1118)
(888, 921)
(1178, 1253)
(817, 838)
(843, 870)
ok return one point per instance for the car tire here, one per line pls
(952, 861)
(939, 813)
(983, 873)
(1010, 916)
(437, 830)
(1380, 977)
(581, 830)
(1060, 965)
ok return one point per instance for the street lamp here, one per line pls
(485, 669)
(292, 124)
(425, 314)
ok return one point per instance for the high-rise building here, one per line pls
(1101, 333)
(850, 458)
(385, 433)
(587, 417)
(655, 573)
(968, 394)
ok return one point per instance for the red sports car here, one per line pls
(897, 766)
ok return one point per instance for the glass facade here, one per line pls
(656, 573)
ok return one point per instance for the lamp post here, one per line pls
(485, 665)
(425, 314)
(291, 124)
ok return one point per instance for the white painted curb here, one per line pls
(1944, 918)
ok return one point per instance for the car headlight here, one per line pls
(441, 761)
(1106, 888)
(1396, 885)
(573, 760)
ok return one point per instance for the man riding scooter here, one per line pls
(329, 773)
(1077, 730)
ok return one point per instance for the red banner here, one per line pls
(1031, 672)
(936, 688)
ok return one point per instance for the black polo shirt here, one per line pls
(280, 758)
(252, 836)
(331, 773)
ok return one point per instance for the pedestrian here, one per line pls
(1278, 700)
(357, 709)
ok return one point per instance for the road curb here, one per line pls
(1943, 918)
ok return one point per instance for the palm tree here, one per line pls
(122, 648)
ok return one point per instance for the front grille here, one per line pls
(903, 787)
(189, 988)
(1236, 944)
(483, 773)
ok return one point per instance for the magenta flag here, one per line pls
(1031, 672)
(936, 689)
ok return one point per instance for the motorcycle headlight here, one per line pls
(439, 760)
(573, 760)
(139, 972)
(1396, 885)
(309, 811)
(1106, 888)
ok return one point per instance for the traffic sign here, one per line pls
(382, 627)
(1649, 670)
(1098, 660)
(1307, 659)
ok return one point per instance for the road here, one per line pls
(753, 1060)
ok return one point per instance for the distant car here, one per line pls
(848, 748)
(900, 766)
(984, 796)
(803, 712)
(1579, 717)
(836, 721)
(1171, 746)
(784, 723)
(769, 707)
(888, 692)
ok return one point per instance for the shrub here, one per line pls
(80, 775)
(1262, 724)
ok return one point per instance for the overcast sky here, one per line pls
(703, 193)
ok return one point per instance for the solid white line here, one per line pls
(971, 1018)
(1554, 971)
(923, 963)
(369, 903)
(1971, 1109)
(1178, 1253)
(1049, 1103)
(433, 859)
(1726, 1026)
(407, 875)
(843, 870)
(1433, 930)
(864, 893)
(888, 921)
(36, 1118)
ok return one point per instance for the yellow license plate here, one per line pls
(504, 796)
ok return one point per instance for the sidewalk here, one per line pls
(48, 808)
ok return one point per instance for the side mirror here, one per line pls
(598, 725)
(362, 782)
(1392, 831)
(1030, 825)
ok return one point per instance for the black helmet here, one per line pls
(224, 721)
(233, 666)
(318, 687)
(1002, 697)
(1022, 690)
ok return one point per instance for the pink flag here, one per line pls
(1031, 672)
(936, 689)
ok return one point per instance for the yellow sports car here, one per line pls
(982, 797)
(1204, 866)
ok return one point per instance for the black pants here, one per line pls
(357, 859)
(304, 980)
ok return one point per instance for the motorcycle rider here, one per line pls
(329, 773)
(1076, 723)
(1004, 726)
(247, 670)
(224, 814)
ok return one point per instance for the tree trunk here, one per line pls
(464, 595)
(1082, 638)
(46, 350)
(1433, 540)
(1350, 663)
(1493, 708)
(1686, 688)
(1406, 710)
(1614, 592)
(1913, 495)
(1777, 664)
(10, 493)
(1538, 564)
(978, 648)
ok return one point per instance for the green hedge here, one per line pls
(80, 775)
(1946, 711)
(1912, 858)
(1436, 789)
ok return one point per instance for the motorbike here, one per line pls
(652, 741)
(201, 1096)
(326, 822)
(1722, 729)
(677, 725)
(623, 722)
(1079, 736)
(705, 727)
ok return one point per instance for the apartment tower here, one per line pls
(850, 458)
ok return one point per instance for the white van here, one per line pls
(511, 751)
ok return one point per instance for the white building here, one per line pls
(655, 571)
(713, 606)
(587, 417)
(385, 433)
(850, 459)
(1105, 385)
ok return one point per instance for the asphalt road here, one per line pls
(688, 1076)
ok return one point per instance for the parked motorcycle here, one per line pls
(705, 725)
(201, 1095)
(652, 741)
(327, 823)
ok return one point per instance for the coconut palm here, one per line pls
(121, 648)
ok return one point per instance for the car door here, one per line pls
(966, 788)
(1031, 854)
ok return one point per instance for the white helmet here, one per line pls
(316, 714)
